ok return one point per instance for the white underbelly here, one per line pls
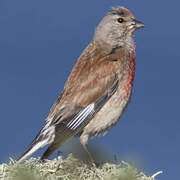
(108, 115)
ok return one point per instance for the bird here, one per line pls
(98, 88)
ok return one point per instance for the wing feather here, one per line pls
(74, 124)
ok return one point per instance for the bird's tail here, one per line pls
(44, 137)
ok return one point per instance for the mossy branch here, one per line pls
(70, 169)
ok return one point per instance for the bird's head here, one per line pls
(117, 28)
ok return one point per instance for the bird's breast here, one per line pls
(111, 112)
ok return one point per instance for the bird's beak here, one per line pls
(138, 24)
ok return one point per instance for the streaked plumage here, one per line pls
(98, 88)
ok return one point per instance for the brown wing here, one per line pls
(92, 82)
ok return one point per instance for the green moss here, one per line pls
(69, 169)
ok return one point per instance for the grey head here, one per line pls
(116, 29)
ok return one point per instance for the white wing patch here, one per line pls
(78, 120)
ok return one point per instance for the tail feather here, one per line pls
(45, 137)
(53, 147)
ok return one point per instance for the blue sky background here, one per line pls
(40, 41)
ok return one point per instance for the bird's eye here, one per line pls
(120, 20)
